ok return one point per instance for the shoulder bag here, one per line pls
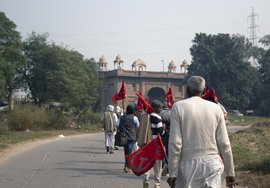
(120, 137)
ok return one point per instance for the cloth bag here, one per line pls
(144, 132)
(120, 138)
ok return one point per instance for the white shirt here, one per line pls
(197, 131)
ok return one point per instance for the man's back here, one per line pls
(200, 121)
(198, 135)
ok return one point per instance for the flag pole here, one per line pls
(123, 105)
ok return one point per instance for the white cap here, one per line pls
(110, 108)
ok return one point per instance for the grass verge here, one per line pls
(251, 150)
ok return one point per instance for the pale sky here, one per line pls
(153, 30)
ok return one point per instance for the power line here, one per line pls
(188, 27)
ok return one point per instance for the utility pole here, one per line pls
(252, 27)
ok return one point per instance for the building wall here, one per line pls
(136, 81)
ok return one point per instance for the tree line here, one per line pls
(50, 72)
(237, 70)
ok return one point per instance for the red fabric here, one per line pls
(121, 94)
(143, 104)
(144, 159)
(139, 103)
(169, 98)
(210, 95)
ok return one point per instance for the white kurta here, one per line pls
(198, 132)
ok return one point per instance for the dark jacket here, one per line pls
(128, 125)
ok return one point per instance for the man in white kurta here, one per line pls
(199, 146)
(109, 120)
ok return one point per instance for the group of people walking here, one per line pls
(194, 134)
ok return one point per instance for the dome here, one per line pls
(139, 62)
(172, 66)
(118, 59)
(102, 60)
(138, 65)
(184, 66)
(102, 63)
(118, 62)
(184, 63)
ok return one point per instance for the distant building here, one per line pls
(150, 83)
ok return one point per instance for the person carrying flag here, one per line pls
(129, 124)
(157, 129)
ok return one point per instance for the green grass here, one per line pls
(251, 151)
(245, 120)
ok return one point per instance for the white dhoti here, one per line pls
(109, 139)
(200, 173)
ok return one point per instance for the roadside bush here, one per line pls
(57, 120)
(90, 120)
(259, 166)
(27, 117)
(3, 122)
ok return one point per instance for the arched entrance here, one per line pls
(156, 93)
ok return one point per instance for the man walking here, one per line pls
(199, 146)
(109, 120)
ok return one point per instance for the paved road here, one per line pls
(70, 162)
(234, 129)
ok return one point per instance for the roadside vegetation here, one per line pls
(29, 123)
(251, 150)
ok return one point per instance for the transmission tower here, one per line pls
(252, 27)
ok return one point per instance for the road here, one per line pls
(70, 162)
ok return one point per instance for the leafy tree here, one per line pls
(223, 61)
(35, 48)
(265, 40)
(262, 101)
(11, 57)
(54, 73)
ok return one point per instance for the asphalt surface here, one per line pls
(70, 162)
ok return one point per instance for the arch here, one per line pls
(156, 93)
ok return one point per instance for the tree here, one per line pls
(35, 48)
(262, 100)
(223, 61)
(54, 73)
(11, 57)
(265, 40)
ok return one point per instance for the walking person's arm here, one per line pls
(225, 150)
(174, 145)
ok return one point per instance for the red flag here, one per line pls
(143, 104)
(210, 95)
(169, 98)
(139, 103)
(121, 94)
(144, 159)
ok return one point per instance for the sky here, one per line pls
(156, 31)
